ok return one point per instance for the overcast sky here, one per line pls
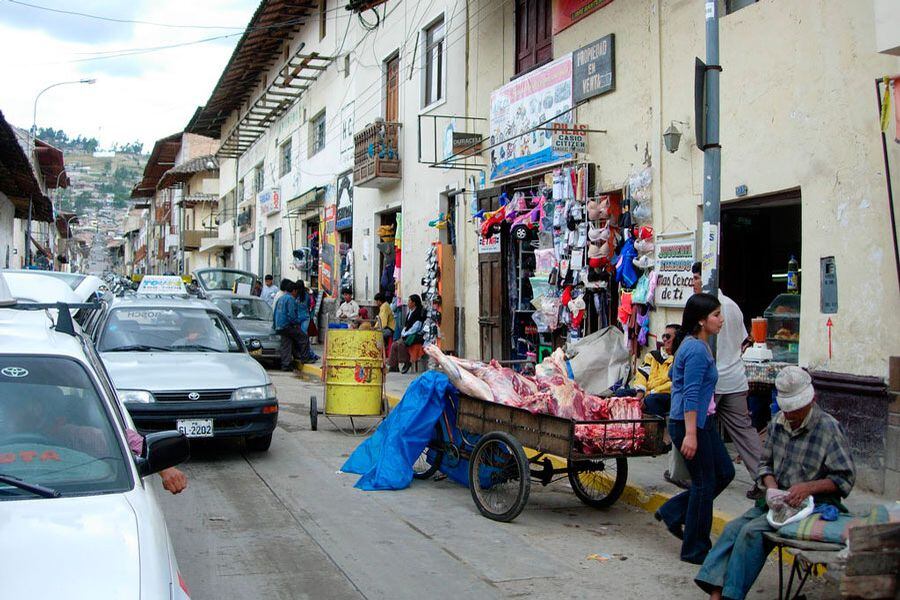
(144, 96)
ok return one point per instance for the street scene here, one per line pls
(389, 299)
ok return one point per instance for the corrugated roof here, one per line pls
(257, 51)
(17, 178)
(186, 170)
(162, 158)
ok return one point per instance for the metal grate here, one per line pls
(184, 396)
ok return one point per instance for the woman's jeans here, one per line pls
(711, 471)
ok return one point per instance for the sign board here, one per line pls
(520, 107)
(828, 301)
(674, 257)
(162, 284)
(568, 12)
(489, 245)
(569, 139)
(594, 69)
(269, 201)
(329, 253)
(346, 142)
(344, 200)
(466, 144)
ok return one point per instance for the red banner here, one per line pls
(567, 12)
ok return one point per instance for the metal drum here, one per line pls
(354, 372)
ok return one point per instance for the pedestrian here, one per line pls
(301, 323)
(348, 311)
(385, 322)
(286, 326)
(269, 290)
(282, 290)
(692, 427)
(807, 454)
(732, 387)
(409, 336)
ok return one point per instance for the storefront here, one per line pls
(269, 232)
(344, 227)
(303, 222)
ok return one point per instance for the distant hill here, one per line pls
(100, 181)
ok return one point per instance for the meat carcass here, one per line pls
(464, 380)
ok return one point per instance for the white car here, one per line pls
(79, 517)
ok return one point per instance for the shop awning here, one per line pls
(41, 248)
(210, 244)
(311, 201)
(162, 158)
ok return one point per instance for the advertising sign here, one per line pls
(269, 201)
(161, 284)
(594, 69)
(329, 251)
(568, 12)
(531, 101)
(489, 245)
(569, 139)
(346, 145)
(466, 144)
(674, 257)
(345, 200)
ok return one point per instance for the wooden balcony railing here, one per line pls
(191, 238)
(377, 155)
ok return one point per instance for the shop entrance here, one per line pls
(385, 245)
(493, 294)
(759, 237)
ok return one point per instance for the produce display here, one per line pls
(550, 391)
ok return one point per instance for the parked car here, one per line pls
(179, 363)
(214, 279)
(85, 287)
(253, 318)
(75, 519)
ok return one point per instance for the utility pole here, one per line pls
(712, 155)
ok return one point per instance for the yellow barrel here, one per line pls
(354, 371)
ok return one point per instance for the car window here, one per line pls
(55, 431)
(224, 280)
(167, 329)
(251, 309)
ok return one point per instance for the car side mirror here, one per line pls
(254, 345)
(162, 450)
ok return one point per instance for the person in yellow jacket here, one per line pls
(651, 382)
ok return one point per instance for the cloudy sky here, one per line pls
(139, 94)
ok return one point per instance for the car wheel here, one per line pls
(259, 444)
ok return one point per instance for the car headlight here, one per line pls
(137, 396)
(258, 392)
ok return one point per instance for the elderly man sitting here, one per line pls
(807, 454)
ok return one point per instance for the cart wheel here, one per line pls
(499, 476)
(598, 482)
(313, 413)
(424, 468)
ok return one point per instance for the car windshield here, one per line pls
(167, 329)
(253, 309)
(224, 280)
(54, 431)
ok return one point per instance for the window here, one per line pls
(433, 73)
(317, 133)
(736, 5)
(286, 157)
(259, 178)
(323, 19)
(392, 88)
(534, 34)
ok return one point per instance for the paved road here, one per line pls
(285, 524)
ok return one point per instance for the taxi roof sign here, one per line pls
(168, 285)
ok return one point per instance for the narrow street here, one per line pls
(286, 524)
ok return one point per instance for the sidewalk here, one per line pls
(646, 487)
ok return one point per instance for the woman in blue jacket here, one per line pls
(688, 516)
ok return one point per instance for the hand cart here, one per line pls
(353, 372)
(494, 438)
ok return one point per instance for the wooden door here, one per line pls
(492, 292)
(391, 89)
(534, 34)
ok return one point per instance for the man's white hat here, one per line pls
(795, 389)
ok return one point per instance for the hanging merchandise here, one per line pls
(431, 298)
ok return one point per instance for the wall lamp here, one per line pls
(672, 137)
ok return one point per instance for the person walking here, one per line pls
(286, 326)
(732, 387)
(692, 427)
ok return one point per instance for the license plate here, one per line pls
(195, 427)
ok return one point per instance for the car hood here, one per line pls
(81, 547)
(173, 371)
(252, 328)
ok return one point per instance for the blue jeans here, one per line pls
(739, 555)
(711, 471)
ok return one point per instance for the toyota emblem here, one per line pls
(15, 372)
(193, 396)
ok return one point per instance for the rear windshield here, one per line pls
(55, 431)
(252, 309)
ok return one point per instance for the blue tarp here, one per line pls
(385, 460)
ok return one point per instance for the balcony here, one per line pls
(191, 238)
(376, 161)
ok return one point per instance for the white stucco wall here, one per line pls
(7, 218)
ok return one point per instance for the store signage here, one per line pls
(520, 112)
(269, 201)
(568, 12)
(466, 144)
(345, 200)
(594, 69)
(674, 258)
(161, 284)
(329, 251)
(828, 302)
(567, 138)
(489, 245)
(346, 142)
